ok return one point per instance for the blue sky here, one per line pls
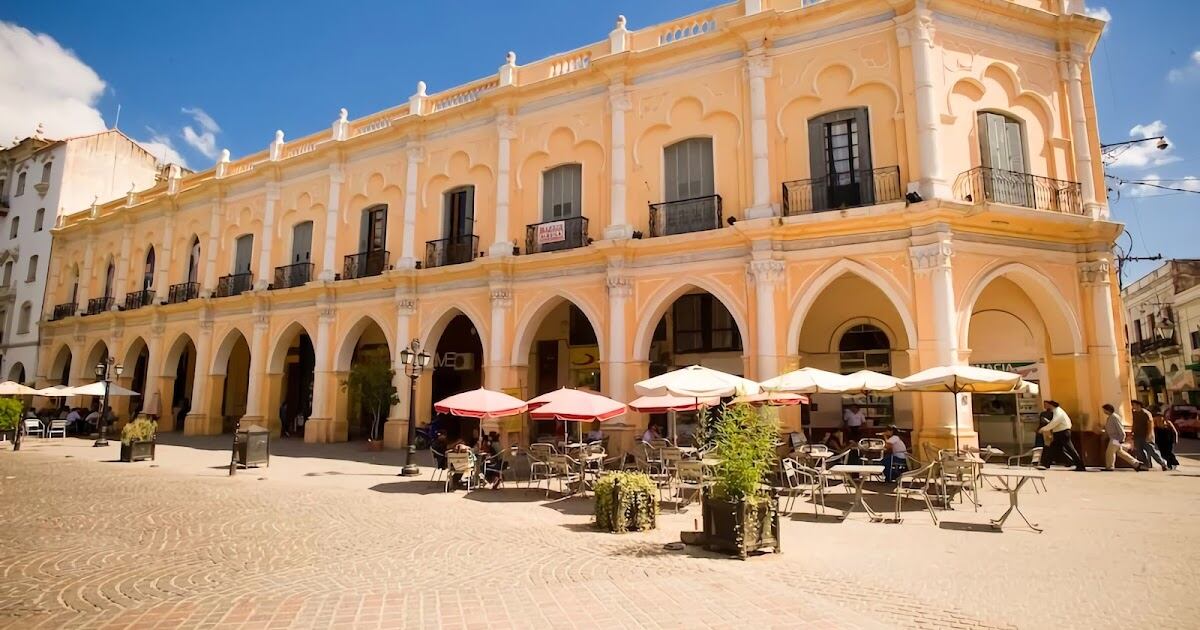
(193, 82)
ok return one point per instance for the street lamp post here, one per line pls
(105, 370)
(415, 360)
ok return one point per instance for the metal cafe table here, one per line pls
(857, 475)
(1006, 478)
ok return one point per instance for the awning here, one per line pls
(1149, 376)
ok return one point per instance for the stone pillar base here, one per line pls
(316, 430)
(395, 433)
(201, 424)
(942, 438)
(339, 430)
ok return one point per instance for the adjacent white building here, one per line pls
(1163, 319)
(40, 181)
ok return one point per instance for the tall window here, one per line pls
(109, 277)
(8, 267)
(21, 184)
(243, 250)
(148, 270)
(1002, 153)
(193, 274)
(373, 232)
(866, 347)
(14, 227)
(839, 156)
(703, 324)
(561, 192)
(688, 167)
(23, 320)
(39, 219)
(302, 242)
(46, 170)
(31, 272)
(74, 285)
(459, 217)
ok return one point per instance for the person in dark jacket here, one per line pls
(1165, 437)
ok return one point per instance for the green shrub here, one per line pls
(745, 437)
(625, 502)
(10, 413)
(140, 430)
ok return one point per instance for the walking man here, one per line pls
(1114, 430)
(1143, 436)
(1059, 431)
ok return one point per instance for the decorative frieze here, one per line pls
(766, 272)
(936, 255)
(619, 286)
(1094, 272)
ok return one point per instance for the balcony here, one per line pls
(289, 276)
(365, 264)
(99, 305)
(686, 215)
(137, 299)
(556, 236)
(1156, 344)
(451, 251)
(1019, 189)
(840, 191)
(234, 284)
(182, 292)
(63, 311)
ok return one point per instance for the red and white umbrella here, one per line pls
(481, 403)
(574, 405)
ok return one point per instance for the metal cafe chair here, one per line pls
(916, 484)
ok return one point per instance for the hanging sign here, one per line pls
(551, 232)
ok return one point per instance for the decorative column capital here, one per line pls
(506, 127)
(272, 189)
(758, 65)
(1094, 272)
(337, 174)
(406, 305)
(618, 98)
(766, 272)
(619, 286)
(415, 153)
(936, 255)
(501, 297)
(206, 326)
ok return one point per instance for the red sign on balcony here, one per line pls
(551, 232)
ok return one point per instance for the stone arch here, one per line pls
(177, 347)
(537, 311)
(812, 292)
(974, 88)
(132, 350)
(220, 360)
(431, 332)
(93, 356)
(842, 328)
(345, 353)
(281, 344)
(62, 359)
(1062, 326)
(17, 372)
(656, 307)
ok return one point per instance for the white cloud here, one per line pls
(1190, 183)
(204, 141)
(1189, 72)
(1099, 13)
(44, 83)
(1143, 154)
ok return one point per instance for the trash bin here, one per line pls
(254, 446)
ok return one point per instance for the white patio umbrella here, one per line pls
(97, 389)
(958, 379)
(13, 388)
(56, 391)
(808, 380)
(696, 382)
(866, 382)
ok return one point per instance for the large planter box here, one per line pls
(741, 528)
(137, 451)
(254, 447)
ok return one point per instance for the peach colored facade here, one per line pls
(951, 262)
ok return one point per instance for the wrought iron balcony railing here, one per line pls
(1019, 189)
(234, 284)
(138, 299)
(451, 251)
(182, 292)
(365, 264)
(63, 311)
(294, 275)
(842, 190)
(686, 215)
(557, 235)
(99, 305)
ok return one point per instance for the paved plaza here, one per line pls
(329, 536)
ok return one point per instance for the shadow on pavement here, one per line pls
(508, 495)
(969, 527)
(571, 506)
(296, 447)
(410, 487)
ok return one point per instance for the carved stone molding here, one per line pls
(501, 297)
(337, 174)
(415, 153)
(206, 326)
(926, 258)
(406, 305)
(766, 272)
(506, 127)
(618, 98)
(619, 286)
(1094, 272)
(759, 66)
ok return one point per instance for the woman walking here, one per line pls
(1165, 437)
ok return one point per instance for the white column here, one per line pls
(162, 280)
(85, 275)
(1081, 146)
(496, 358)
(322, 360)
(202, 374)
(933, 260)
(155, 367)
(415, 155)
(618, 104)
(266, 238)
(209, 279)
(258, 356)
(917, 29)
(758, 69)
(506, 130)
(766, 275)
(1095, 278)
(332, 222)
(395, 430)
(616, 377)
(119, 285)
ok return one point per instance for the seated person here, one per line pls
(494, 464)
(439, 446)
(836, 440)
(895, 457)
(594, 434)
(92, 420)
(651, 434)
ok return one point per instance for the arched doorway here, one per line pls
(232, 361)
(136, 363)
(98, 355)
(291, 375)
(17, 373)
(179, 381)
(370, 349)
(697, 328)
(457, 367)
(851, 324)
(561, 350)
(60, 369)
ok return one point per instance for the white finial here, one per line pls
(620, 22)
(343, 115)
(279, 135)
(224, 155)
(421, 88)
(510, 58)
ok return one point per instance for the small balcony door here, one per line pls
(148, 271)
(244, 249)
(109, 277)
(302, 242)
(840, 159)
(373, 233)
(561, 192)
(193, 274)
(1002, 155)
(459, 219)
(689, 169)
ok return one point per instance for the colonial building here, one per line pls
(1163, 321)
(772, 183)
(42, 180)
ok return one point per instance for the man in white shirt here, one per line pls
(895, 460)
(854, 418)
(1059, 430)
(1114, 430)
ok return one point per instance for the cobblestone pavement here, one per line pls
(329, 536)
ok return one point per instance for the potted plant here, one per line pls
(371, 383)
(740, 516)
(626, 502)
(10, 418)
(137, 440)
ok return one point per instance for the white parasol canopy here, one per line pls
(13, 388)
(866, 381)
(808, 380)
(97, 389)
(696, 381)
(56, 391)
(957, 379)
